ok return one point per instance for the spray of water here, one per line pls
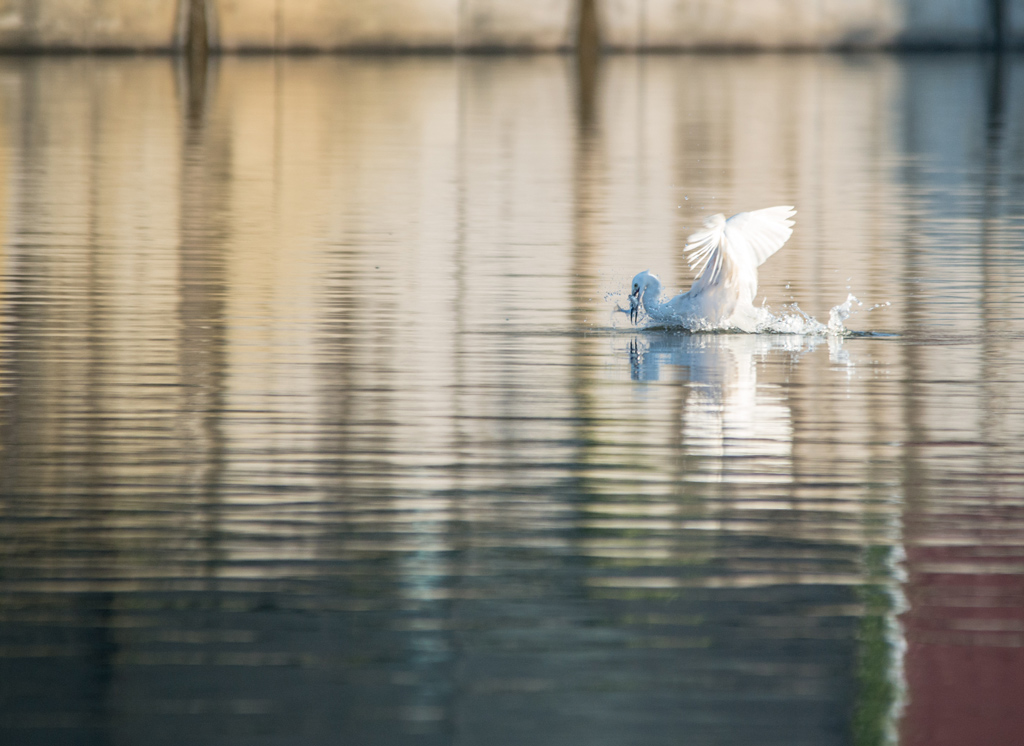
(790, 320)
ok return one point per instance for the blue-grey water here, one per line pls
(318, 426)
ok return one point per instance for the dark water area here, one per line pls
(317, 424)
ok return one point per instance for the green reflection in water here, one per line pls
(878, 695)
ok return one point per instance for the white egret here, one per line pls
(726, 255)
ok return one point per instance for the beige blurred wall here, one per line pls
(772, 24)
(392, 24)
(238, 25)
(90, 24)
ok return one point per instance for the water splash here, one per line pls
(794, 320)
(838, 315)
(790, 320)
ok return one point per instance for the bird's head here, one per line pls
(644, 285)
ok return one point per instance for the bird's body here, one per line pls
(726, 254)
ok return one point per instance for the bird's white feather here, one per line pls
(740, 244)
(726, 255)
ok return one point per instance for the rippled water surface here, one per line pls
(317, 424)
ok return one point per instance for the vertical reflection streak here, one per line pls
(462, 409)
(991, 213)
(100, 602)
(205, 169)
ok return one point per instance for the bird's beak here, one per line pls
(634, 306)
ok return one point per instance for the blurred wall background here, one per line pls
(543, 25)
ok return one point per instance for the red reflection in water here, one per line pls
(965, 646)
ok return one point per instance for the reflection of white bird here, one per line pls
(728, 253)
(728, 411)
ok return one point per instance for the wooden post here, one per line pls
(197, 43)
(588, 33)
(588, 59)
(997, 23)
(197, 54)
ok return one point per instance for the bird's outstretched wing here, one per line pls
(742, 243)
